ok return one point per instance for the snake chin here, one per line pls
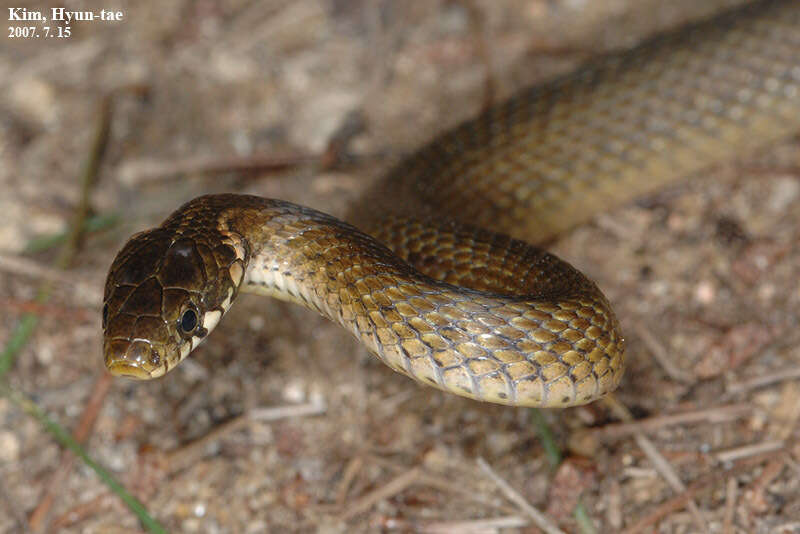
(134, 359)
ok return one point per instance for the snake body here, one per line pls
(419, 278)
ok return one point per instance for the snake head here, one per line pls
(166, 290)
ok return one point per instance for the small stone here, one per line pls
(704, 292)
(35, 98)
(583, 443)
(785, 191)
(256, 322)
(294, 392)
(9, 447)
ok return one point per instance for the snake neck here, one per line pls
(428, 320)
(301, 255)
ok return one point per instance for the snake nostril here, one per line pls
(155, 359)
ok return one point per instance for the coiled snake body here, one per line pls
(421, 282)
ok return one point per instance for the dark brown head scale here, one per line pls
(166, 290)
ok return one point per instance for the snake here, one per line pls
(437, 269)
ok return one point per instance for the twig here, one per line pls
(785, 414)
(88, 181)
(755, 492)
(512, 495)
(38, 518)
(81, 289)
(353, 124)
(793, 465)
(614, 506)
(474, 526)
(730, 505)
(791, 373)
(716, 414)
(464, 489)
(139, 171)
(273, 413)
(660, 463)
(178, 457)
(26, 267)
(479, 32)
(182, 455)
(80, 512)
(391, 488)
(748, 450)
(62, 312)
(661, 356)
(681, 500)
(350, 471)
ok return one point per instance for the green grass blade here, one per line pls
(551, 449)
(95, 223)
(554, 457)
(19, 337)
(66, 440)
(585, 523)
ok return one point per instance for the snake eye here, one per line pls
(105, 315)
(188, 321)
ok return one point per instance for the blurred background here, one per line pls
(280, 422)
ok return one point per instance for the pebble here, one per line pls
(9, 447)
(785, 191)
(35, 98)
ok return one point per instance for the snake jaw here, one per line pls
(128, 370)
(130, 359)
(137, 359)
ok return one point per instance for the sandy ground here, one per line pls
(704, 277)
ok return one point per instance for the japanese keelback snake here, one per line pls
(419, 278)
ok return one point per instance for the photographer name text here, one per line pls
(61, 14)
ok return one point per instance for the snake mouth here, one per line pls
(128, 370)
(133, 359)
